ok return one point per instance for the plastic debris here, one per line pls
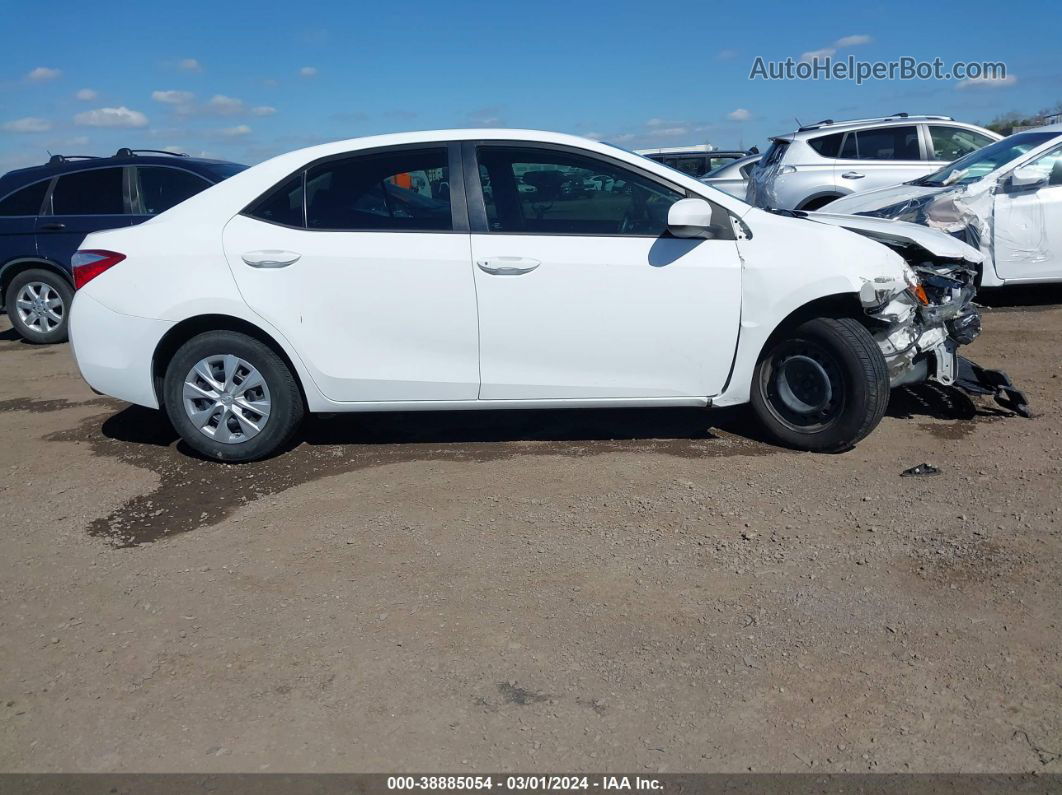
(921, 470)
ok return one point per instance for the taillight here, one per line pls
(90, 263)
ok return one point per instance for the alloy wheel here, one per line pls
(40, 307)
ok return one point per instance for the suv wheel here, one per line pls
(822, 386)
(231, 398)
(38, 303)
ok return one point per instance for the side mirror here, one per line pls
(690, 218)
(1026, 179)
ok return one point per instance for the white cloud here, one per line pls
(852, 41)
(42, 73)
(226, 106)
(987, 82)
(263, 110)
(190, 65)
(29, 124)
(739, 114)
(173, 97)
(662, 123)
(235, 132)
(86, 95)
(308, 71)
(726, 55)
(671, 132)
(811, 55)
(111, 117)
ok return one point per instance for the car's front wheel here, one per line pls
(38, 303)
(821, 386)
(231, 397)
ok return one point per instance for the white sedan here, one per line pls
(1005, 199)
(376, 274)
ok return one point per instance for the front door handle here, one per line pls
(507, 266)
(56, 227)
(853, 175)
(270, 258)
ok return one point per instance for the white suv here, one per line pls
(818, 163)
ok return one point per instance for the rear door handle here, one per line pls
(507, 266)
(56, 227)
(853, 175)
(270, 258)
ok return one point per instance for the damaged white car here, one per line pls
(411, 272)
(1005, 200)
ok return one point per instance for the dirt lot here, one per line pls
(528, 591)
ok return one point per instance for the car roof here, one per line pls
(235, 192)
(829, 126)
(60, 164)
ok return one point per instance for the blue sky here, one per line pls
(245, 81)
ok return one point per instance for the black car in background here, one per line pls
(46, 211)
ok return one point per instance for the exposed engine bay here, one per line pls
(925, 317)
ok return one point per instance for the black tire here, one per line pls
(818, 204)
(285, 401)
(821, 386)
(60, 286)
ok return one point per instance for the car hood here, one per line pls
(871, 200)
(901, 233)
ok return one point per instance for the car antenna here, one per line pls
(799, 123)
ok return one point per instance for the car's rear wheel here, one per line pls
(821, 386)
(38, 303)
(231, 397)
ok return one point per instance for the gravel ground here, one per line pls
(645, 591)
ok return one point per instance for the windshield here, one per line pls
(972, 167)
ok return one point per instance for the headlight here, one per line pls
(914, 285)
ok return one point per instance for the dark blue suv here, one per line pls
(46, 211)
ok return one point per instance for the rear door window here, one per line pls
(26, 201)
(97, 191)
(159, 188)
(887, 143)
(406, 190)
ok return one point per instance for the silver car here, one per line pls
(818, 163)
(732, 177)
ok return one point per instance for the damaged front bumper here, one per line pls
(922, 321)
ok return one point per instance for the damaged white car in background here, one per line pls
(1005, 200)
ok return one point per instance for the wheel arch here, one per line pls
(185, 330)
(835, 305)
(12, 268)
(816, 197)
(754, 341)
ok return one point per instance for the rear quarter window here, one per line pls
(827, 145)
